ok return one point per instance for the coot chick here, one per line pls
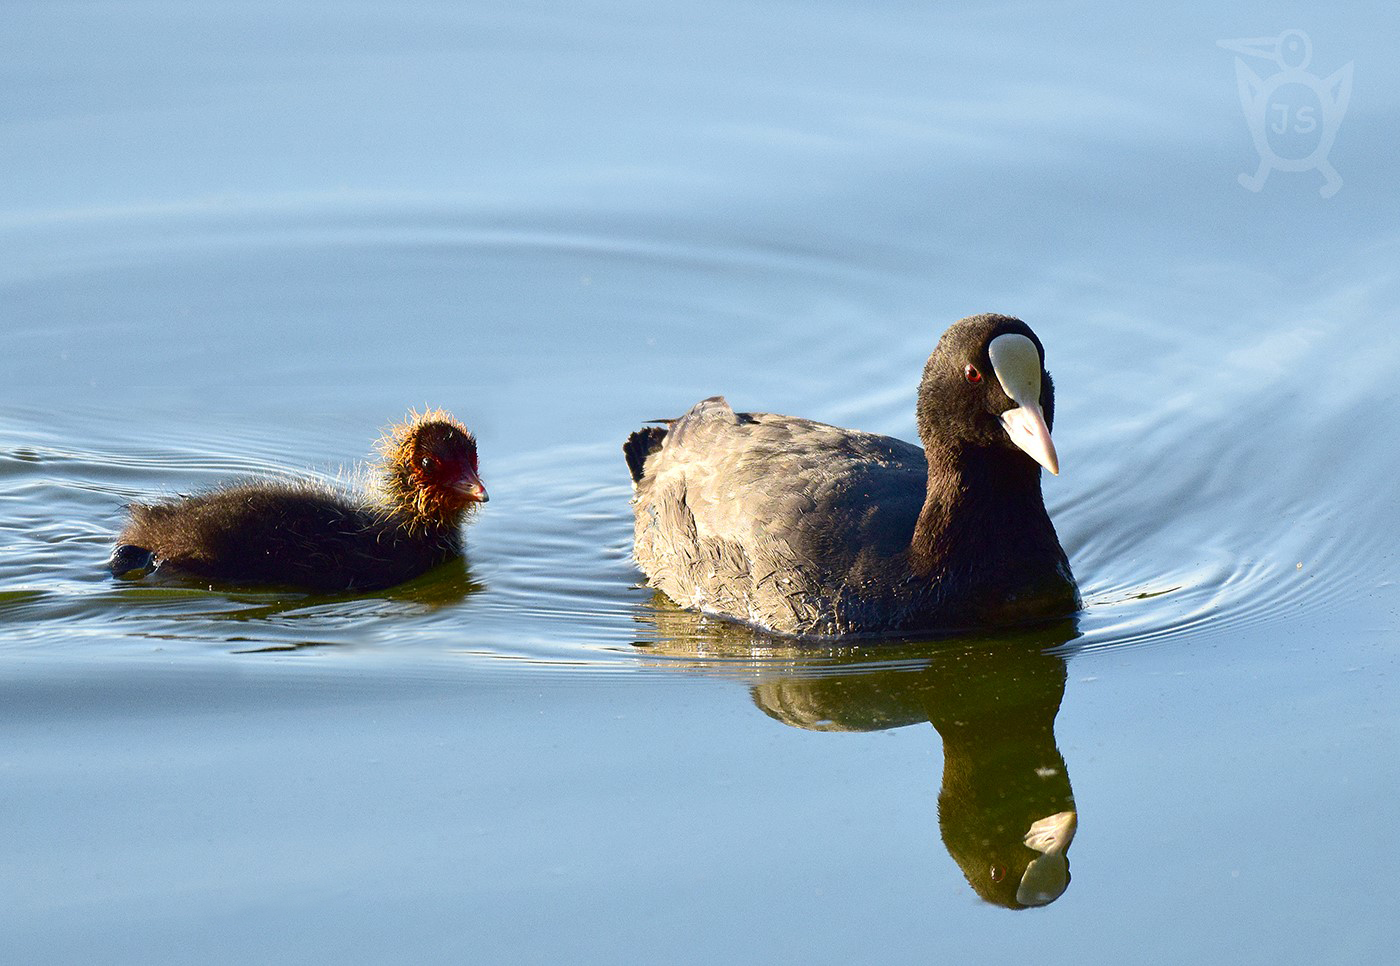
(806, 529)
(313, 537)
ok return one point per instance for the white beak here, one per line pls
(1047, 877)
(1017, 366)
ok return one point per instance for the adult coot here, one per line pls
(311, 536)
(806, 529)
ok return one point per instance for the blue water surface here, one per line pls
(245, 238)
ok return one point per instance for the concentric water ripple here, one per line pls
(1188, 506)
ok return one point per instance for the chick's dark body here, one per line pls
(292, 534)
(313, 537)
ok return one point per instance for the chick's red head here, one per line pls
(432, 463)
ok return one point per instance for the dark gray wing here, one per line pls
(780, 521)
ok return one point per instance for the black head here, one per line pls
(985, 386)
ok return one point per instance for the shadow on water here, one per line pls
(281, 619)
(1006, 811)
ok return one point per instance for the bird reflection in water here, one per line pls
(338, 619)
(1006, 810)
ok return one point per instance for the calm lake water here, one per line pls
(244, 238)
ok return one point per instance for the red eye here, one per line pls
(971, 374)
(996, 872)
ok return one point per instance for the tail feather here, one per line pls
(639, 446)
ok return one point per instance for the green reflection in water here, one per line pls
(1006, 810)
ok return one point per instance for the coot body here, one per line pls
(807, 529)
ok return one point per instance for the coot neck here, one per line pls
(410, 507)
(983, 513)
(447, 533)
